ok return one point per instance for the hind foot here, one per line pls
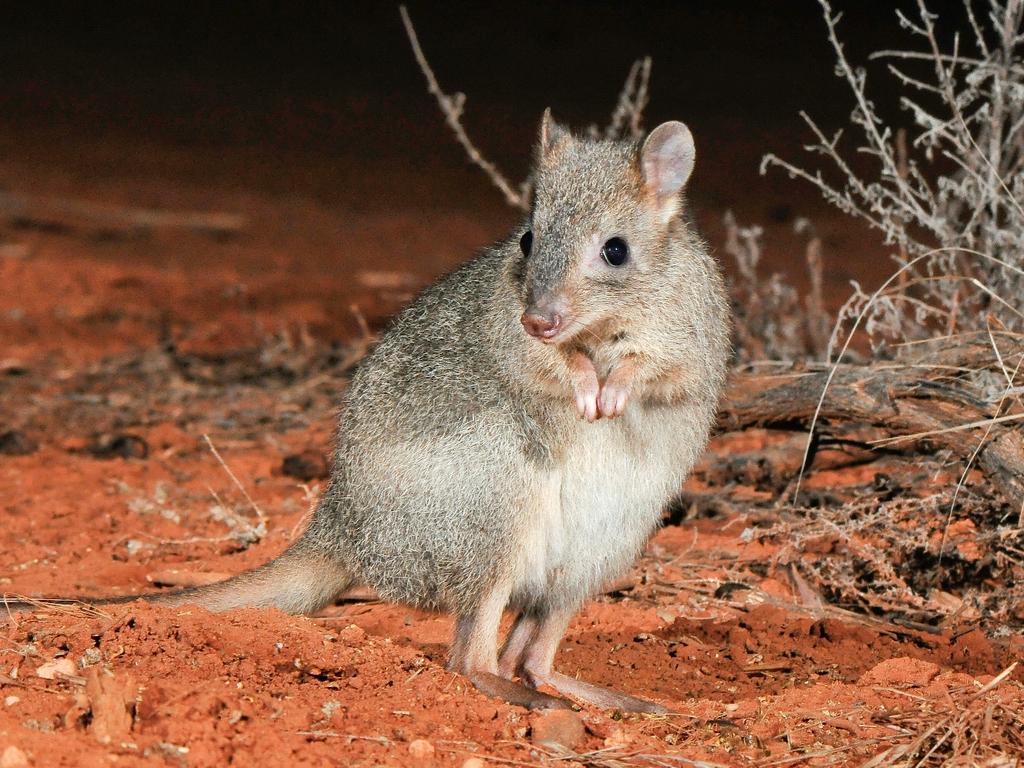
(474, 654)
(529, 652)
(515, 693)
(606, 698)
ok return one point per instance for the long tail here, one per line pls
(300, 580)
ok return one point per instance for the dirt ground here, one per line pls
(129, 354)
(123, 350)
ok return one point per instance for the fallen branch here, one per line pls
(63, 214)
(901, 399)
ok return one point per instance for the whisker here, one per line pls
(576, 323)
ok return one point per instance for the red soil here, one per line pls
(751, 674)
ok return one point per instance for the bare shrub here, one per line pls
(771, 320)
(951, 201)
(626, 119)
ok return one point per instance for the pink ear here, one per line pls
(551, 132)
(667, 160)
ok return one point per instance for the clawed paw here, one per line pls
(585, 387)
(595, 400)
(612, 400)
(587, 393)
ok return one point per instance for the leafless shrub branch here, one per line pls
(769, 320)
(451, 106)
(961, 188)
(626, 118)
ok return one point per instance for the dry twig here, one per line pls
(451, 107)
(253, 533)
(968, 115)
(626, 118)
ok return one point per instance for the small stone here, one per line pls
(13, 758)
(112, 700)
(118, 447)
(10, 701)
(386, 279)
(421, 749)
(305, 466)
(14, 251)
(617, 737)
(15, 443)
(11, 366)
(665, 616)
(134, 546)
(51, 670)
(473, 762)
(557, 727)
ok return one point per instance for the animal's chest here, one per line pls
(594, 509)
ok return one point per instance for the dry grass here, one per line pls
(770, 320)
(974, 727)
(881, 556)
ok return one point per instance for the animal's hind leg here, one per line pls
(475, 654)
(518, 640)
(537, 668)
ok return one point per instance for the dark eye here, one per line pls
(615, 252)
(526, 242)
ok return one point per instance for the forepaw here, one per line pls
(613, 398)
(586, 388)
(586, 401)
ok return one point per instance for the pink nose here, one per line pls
(540, 326)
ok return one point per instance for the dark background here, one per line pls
(339, 77)
(196, 105)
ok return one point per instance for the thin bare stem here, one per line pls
(452, 107)
(262, 527)
(633, 98)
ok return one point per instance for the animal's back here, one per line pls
(430, 455)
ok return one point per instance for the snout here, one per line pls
(542, 325)
(547, 316)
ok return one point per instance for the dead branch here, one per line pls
(951, 178)
(901, 399)
(626, 118)
(451, 107)
(773, 467)
(629, 109)
(51, 212)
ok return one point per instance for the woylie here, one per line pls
(512, 441)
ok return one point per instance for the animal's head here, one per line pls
(595, 240)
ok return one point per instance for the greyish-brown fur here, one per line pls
(464, 478)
